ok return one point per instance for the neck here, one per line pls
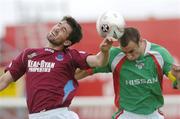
(143, 47)
(60, 48)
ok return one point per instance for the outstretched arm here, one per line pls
(101, 58)
(80, 74)
(5, 80)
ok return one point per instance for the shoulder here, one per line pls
(27, 50)
(75, 54)
(115, 51)
(161, 52)
(158, 48)
(115, 54)
(31, 52)
(74, 51)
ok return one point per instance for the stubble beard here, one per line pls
(53, 41)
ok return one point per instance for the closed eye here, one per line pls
(129, 52)
(64, 29)
(59, 24)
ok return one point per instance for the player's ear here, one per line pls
(67, 43)
(140, 41)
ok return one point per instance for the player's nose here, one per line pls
(129, 56)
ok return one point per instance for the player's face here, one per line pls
(59, 33)
(132, 51)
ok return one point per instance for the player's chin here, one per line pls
(132, 59)
(54, 42)
(51, 40)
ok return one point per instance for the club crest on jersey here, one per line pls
(59, 57)
(139, 64)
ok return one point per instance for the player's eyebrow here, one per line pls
(131, 51)
(60, 23)
(63, 27)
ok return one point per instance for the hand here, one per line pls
(176, 71)
(106, 44)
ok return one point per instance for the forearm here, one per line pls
(5, 80)
(80, 74)
(3, 84)
(178, 84)
(99, 60)
(103, 58)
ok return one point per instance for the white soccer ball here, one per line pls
(110, 23)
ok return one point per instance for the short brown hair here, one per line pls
(130, 34)
(76, 34)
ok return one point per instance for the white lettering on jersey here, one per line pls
(40, 66)
(141, 81)
(49, 50)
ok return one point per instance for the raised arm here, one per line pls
(80, 74)
(101, 58)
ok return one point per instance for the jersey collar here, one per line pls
(148, 47)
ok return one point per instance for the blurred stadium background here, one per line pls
(25, 23)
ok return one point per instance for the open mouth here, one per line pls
(53, 34)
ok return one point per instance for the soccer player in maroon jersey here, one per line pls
(50, 82)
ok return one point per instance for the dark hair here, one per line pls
(130, 34)
(76, 34)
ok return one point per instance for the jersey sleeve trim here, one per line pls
(158, 57)
(116, 60)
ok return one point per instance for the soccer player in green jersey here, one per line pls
(138, 67)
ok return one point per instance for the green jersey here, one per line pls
(137, 84)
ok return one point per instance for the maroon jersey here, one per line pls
(50, 81)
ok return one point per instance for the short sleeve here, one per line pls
(107, 69)
(17, 67)
(101, 69)
(79, 59)
(168, 60)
